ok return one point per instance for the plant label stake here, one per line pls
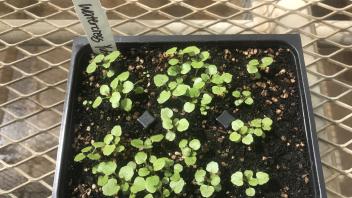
(96, 25)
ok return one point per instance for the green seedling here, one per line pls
(117, 92)
(254, 65)
(172, 124)
(208, 179)
(189, 150)
(104, 62)
(148, 142)
(247, 178)
(244, 132)
(242, 97)
(109, 146)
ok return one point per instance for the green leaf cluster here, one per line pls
(244, 132)
(172, 124)
(109, 146)
(242, 97)
(189, 150)
(205, 79)
(147, 143)
(254, 65)
(103, 61)
(247, 177)
(117, 92)
(209, 179)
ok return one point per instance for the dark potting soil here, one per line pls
(282, 153)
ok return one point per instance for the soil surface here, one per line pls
(282, 153)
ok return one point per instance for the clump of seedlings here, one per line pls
(247, 178)
(189, 65)
(243, 132)
(254, 65)
(189, 150)
(192, 82)
(103, 62)
(172, 124)
(208, 179)
(242, 97)
(117, 92)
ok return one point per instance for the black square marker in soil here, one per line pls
(225, 119)
(146, 119)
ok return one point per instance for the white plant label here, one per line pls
(96, 25)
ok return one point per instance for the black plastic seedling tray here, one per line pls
(81, 53)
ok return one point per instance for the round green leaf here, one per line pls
(252, 69)
(206, 99)
(191, 50)
(111, 188)
(178, 168)
(190, 160)
(173, 61)
(212, 69)
(102, 180)
(164, 96)
(91, 67)
(99, 58)
(250, 192)
(262, 177)
(116, 131)
(172, 71)
(188, 107)
(212, 167)
(157, 138)
(226, 77)
(140, 157)
(235, 137)
(107, 168)
(137, 143)
(143, 172)
(126, 104)
(115, 99)
(266, 61)
(170, 136)
(248, 139)
(97, 102)
(197, 64)
(160, 80)
(267, 122)
(249, 101)
(123, 76)
(171, 51)
(112, 56)
(138, 185)
(177, 186)
(158, 164)
(204, 55)
(215, 180)
(79, 157)
(151, 183)
(199, 176)
(108, 149)
(180, 90)
(236, 94)
(166, 113)
(127, 87)
(185, 68)
(126, 173)
(237, 124)
(206, 190)
(182, 125)
(194, 144)
(217, 90)
(237, 178)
